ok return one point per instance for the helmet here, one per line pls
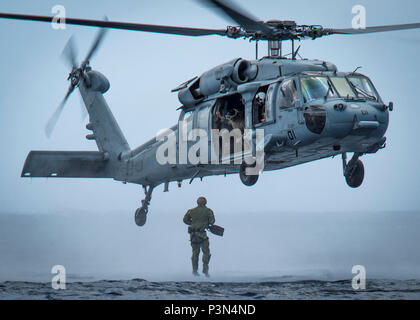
(201, 201)
(232, 114)
(260, 97)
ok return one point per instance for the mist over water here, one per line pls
(258, 246)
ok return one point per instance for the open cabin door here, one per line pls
(228, 124)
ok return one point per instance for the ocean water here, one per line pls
(283, 256)
(264, 290)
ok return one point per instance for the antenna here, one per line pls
(256, 50)
(296, 53)
(293, 49)
(355, 70)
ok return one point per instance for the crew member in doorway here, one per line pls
(260, 101)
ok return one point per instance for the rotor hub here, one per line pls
(75, 78)
(279, 24)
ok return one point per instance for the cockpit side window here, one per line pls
(289, 94)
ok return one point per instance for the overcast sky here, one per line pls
(144, 67)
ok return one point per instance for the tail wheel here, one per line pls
(140, 216)
(247, 180)
(355, 178)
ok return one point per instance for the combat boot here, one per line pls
(206, 270)
(194, 261)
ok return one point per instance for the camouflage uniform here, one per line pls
(198, 219)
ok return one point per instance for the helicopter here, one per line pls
(281, 110)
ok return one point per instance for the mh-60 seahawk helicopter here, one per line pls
(307, 108)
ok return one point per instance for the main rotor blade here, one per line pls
(122, 25)
(394, 27)
(239, 15)
(49, 128)
(69, 53)
(95, 45)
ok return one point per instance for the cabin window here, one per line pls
(187, 123)
(203, 118)
(314, 88)
(188, 117)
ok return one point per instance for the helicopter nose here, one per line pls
(340, 120)
(357, 118)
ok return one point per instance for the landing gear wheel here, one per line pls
(140, 216)
(247, 180)
(355, 178)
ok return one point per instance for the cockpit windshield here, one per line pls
(343, 87)
(347, 87)
(363, 87)
(314, 88)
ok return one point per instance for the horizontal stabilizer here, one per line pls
(66, 164)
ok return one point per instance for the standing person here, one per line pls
(198, 219)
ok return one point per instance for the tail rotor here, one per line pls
(77, 73)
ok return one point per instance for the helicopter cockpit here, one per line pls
(351, 87)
